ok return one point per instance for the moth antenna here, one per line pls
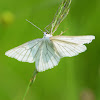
(34, 25)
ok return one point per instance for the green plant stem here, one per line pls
(32, 80)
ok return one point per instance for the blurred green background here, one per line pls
(75, 78)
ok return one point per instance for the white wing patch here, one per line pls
(47, 57)
(25, 52)
(68, 46)
(68, 49)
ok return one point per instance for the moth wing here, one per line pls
(25, 52)
(75, 39)
(68, 46)
(47, 57)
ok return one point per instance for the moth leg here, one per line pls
(63, 32)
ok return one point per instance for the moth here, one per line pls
(46, 52)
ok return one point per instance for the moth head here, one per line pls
(47, 35)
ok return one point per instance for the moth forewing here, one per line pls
(25, 52)
(74, 39)
(68, 46)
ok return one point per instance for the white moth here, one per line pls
(47, 51)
